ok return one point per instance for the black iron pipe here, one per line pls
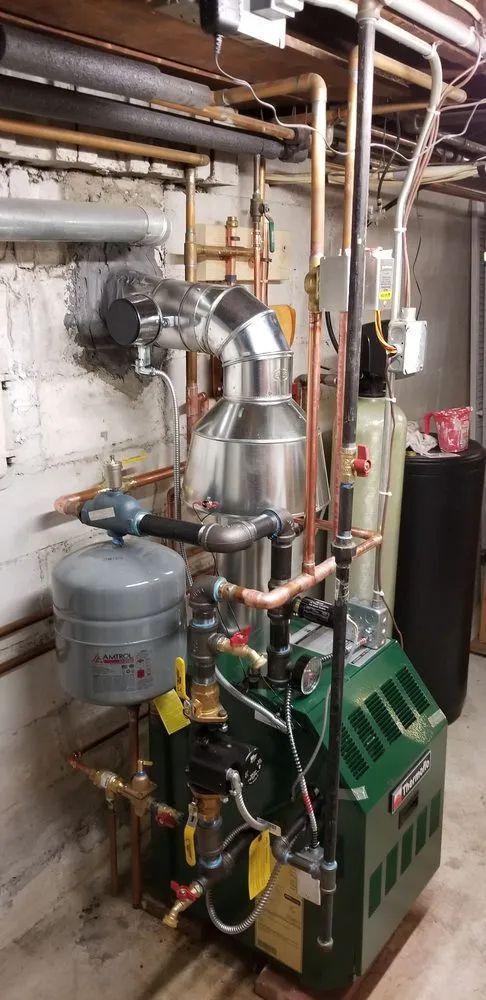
(57, 59)
(42, 101)
(213, 537)
(343, 546)
(278, 650)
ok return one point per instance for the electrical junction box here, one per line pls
(261, 20)
(408, 335)
(335, 275)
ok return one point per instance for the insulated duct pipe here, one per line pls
(42, 101)
(227, 322)
(55, 59)
(37, 220)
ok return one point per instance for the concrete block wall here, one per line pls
(64, 417)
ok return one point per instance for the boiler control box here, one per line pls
(334, 282)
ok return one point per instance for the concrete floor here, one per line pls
(107, 950)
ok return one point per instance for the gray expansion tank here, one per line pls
(120, 620)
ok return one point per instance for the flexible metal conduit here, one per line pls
(37, 220)
(41, 55)
(42, 101)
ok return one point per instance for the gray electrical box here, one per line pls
(408, 335)
(334, 282)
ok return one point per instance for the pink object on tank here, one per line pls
(453, 427)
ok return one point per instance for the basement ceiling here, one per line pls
(320, 41)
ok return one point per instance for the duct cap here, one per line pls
(132, 319)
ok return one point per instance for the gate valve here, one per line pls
(184, 892)
(240, 638)
(362, 462)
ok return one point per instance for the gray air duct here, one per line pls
(37, 220)
(56, 59)
(248, 452)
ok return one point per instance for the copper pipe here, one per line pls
(190, 274)
(256, 228)
(17, 626)
(18, 661)
(264, 229)
(71, 503)
(206, 251)
(230, 118)
(111, 822)
(93, 744)
(104, 142)
(266, 600)
(133, 757)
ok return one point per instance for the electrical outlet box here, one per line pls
(409, 336)
(334, 282)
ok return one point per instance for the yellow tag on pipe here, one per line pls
(181, 678)
(169, 708)
(189, 836)
(259, 864)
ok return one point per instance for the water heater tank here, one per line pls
(119, 614)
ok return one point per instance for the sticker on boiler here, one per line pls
(410, 782)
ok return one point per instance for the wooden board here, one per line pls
(177, 45)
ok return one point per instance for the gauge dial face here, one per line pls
(311, 675)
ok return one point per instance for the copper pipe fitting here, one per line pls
(205, 704)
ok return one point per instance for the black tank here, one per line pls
(437, 560)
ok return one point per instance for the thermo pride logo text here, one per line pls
(409, 782)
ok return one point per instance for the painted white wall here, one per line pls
(64, 418)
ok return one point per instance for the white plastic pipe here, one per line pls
(34, 220)
(414, 10)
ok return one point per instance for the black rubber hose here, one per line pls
(330, 330)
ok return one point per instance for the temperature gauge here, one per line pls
(306, 673)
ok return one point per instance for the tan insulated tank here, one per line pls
(366, 492)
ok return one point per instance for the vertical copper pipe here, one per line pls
(112, 840)
(346, 244)
(264, 232)
(190, 274)
(256, 230)
(133, 755)
(318, 189)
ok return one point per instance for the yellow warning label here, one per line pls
(181, 678)
(385, 295)
(279, 928)
(189, 845)
(259, 864)
(170, 710)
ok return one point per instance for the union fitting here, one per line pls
(311, 286)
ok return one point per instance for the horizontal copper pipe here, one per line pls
(71, 503)
(81, 751)
(207, 252)
(266, 600)
(32, 654)
(230, 118)
(20, 623)
(104, 142)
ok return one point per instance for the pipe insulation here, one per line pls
(439, 23)
(24, 97)
(41, 55)
(38, 220)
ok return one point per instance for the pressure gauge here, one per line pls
(306, 673)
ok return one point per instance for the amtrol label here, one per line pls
(409, 782)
